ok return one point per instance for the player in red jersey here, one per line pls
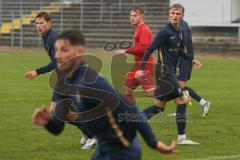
(142, 39)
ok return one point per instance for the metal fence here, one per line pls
(99, 19)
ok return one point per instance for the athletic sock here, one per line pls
(181, 118)
(152, 110)
(202, 102)
(193, 94)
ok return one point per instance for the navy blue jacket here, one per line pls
(103, 111)
(170, 41)
(48, 42)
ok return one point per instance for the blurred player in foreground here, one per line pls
(101, 108)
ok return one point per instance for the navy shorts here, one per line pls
(169, 76)
(184, 70)
(133, 152)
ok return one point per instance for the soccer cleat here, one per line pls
(186, 142)
(171, 115)
(205, 108)
(182, 140)
(83, 139)
(89, 143)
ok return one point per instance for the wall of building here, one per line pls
(210, 12)
(236, 10)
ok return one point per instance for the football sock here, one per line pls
(181, 118)
(193, 94)
(152, 110)
(202, 102)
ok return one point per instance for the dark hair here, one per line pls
(43, 15)
(75, 37)
(177, 6)
(137, 9)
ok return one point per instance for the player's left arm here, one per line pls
(159, 41)
(197, 64)
(53, 63)
(146, 132)
(190, 48)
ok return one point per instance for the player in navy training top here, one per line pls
(102, 110)
(49, 36)
(43, 25)
(170, 40)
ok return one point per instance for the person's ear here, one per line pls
(80, 51)
(49, 23)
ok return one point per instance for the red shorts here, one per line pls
(146, 81)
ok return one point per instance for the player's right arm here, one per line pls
(157, 43)
(47, 68)
(44, 69)
(31, 74)
(51, 53)
(43, 117)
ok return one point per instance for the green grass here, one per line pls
(218, 81)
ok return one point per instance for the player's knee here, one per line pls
(160, 104)
(149, 93)
(182, 84)
(72, 116)
(180, 100)
(127, 91)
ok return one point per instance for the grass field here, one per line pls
(218, 134)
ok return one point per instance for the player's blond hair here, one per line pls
(177, 6)
(137, 9)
